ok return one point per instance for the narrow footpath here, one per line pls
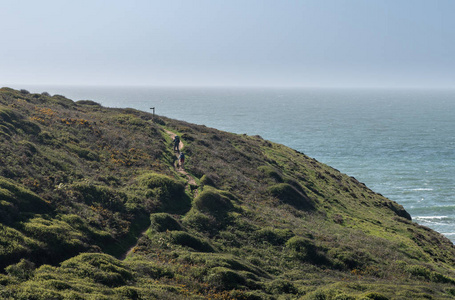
(191, 184)
(190, 179)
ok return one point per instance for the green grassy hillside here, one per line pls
(93, 206)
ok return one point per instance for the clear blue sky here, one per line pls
(314, 43)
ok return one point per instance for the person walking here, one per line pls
(181, 159)
(176, 143)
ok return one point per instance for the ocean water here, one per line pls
(400, 143)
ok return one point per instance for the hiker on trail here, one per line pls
(176, 143)
(181, 159)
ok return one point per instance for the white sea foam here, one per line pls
(431, 217)
(422, 189)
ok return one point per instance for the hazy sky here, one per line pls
(355, 43)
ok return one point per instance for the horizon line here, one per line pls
(62, 85)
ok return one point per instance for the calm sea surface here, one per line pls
(400, 143)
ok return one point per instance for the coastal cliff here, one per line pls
(93, 205)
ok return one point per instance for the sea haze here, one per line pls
(400, 143)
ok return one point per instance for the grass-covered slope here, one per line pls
(92, 206)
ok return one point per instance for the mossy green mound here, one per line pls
(213, 202)
(290, 195)
(162, 222)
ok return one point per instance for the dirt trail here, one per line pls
(191, 182)
(189, 178)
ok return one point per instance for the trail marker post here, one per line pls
(152, 108)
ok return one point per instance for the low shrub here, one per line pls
(8, 211)
(22, 270)
(149, 268)
(8, 116)
(424, 273)
(34, 292)
(349, 258)
(290, 195)
(22, 198)
(62, 100)
(57, 284)
(270, 173)
(101, 268)
(168, 192)
(104, 196)
(279, 287)
(61, 239)
(46, 138)
(305, 250)
(162, 222)
(185, 239)
(225, 279)
(18, 245)
(126, 292)
(159, 121)
(84, 152)
(88, 102)
(440, 278)
(200, 222)
(375, 296)
(213, 202)
(209, 179)
(329, 294)
(419, 271)
(250, 295)
(273, 236)
(294, 183)
(130, 120)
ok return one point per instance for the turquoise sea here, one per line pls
(400, 143)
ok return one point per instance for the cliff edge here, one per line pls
(94, 206)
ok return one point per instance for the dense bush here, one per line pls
(22, 270)
(101, 268)
(100, 195)
(162, 222)
(305, 250)
(168, 192)
(185, 239)
(20, 197)
(273, 236)
(149, 269)
(13, 122)
(426, 274)
(213, 202)
(15, 245)
(84, 152)
(290, 195)
(280, 287)
(350, 258)
(130, 120)
(270, 173)
(61, 238)
(225, 279)
(375, 296)
(209, 179)
(88, 102)
(200, 222)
